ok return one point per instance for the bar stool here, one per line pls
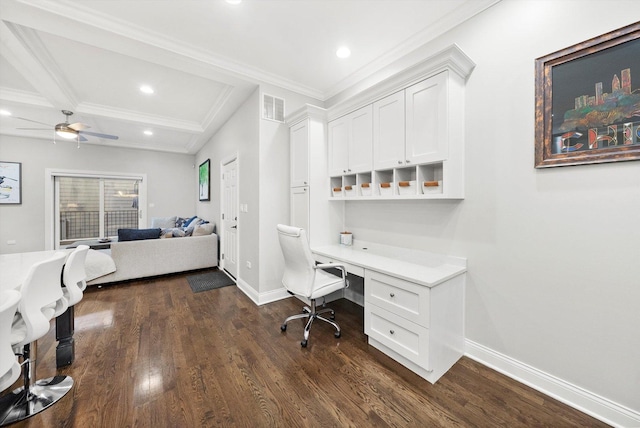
(40, 292)
(9, 366)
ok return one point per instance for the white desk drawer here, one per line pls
(352, 269)
(404, 337)
(406, 299)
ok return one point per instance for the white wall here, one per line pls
(262, 147)
(170, 186)
(553, 255)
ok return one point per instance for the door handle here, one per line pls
(234, 227)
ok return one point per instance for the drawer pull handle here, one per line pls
(391, 331)
(392, 295)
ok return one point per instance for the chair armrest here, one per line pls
(338, 266)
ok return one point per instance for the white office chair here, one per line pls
(40, 291)
(74, 275)
(9, 366)
(303, 277)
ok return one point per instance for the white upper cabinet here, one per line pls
(299, 140)
(427, 120)
(351, 143)
(388, 132)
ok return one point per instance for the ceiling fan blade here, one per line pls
(34, 121)
(79, 126)
(35, 129)
(96, 134)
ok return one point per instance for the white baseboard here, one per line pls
(262, 298)
(599, 407)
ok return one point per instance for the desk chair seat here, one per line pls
(9, 366)
(303, 277)
(40, 292)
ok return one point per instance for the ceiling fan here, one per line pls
(69, 131)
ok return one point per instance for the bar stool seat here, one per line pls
(9, 366)
(40, 291)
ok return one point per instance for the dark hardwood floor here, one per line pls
(153, 354)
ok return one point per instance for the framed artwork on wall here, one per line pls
(204, 174)
(10, 183)
(588, 101)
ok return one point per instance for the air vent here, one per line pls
(272, 108)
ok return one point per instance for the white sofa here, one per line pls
(151, 257)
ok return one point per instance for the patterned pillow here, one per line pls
(203, 229)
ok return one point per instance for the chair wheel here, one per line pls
(303, 343)
(337, 334)
(333, 315)
(283, 327)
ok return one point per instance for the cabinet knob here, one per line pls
(408, 161)
(399, 162)
(349, 170)
(391, 331)
(305, 182)
(391, 295)
(344, 170)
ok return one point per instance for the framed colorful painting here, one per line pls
(588, 101)
(203, 181)
(10, 183)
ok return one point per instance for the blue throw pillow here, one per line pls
(187, 222)
(138, 234)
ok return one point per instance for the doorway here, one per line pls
(229, 214)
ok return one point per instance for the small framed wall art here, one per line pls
(10, 183)
(204, 174)
(588, 101)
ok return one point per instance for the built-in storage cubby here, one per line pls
(417, 134)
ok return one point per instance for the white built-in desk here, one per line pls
(413, 302)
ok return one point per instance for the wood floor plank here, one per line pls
(152, 353)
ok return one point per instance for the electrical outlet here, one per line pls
(248, 264)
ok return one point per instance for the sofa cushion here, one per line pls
(203, 229)
(163, 222)
(174, 232)
(138, 234)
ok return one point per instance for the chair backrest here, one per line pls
(299, 272)
(74, 274)
(9, 300)
(40, 290)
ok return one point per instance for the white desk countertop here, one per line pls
(421, 267)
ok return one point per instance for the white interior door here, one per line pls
(229, 204)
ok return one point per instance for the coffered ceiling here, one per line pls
(202, 58)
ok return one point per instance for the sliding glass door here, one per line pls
(94, 207)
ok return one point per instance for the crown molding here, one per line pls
(306, 111)
(24, 97)
(136, 117)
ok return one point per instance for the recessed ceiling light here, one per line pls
(343, 52)
(233, 1)
(146, 89)
(148, 133)
(4, 112)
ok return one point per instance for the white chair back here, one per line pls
(299, 272)
(74, 275)
(9, 366)
(40, 292)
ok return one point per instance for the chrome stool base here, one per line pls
(22, 404)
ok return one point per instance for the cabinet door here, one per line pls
(300, 208)
(427, 120)
(361, 141)
(299, 140)
(338, 139)
(388, 132)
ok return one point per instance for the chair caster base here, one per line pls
(303, 343)
(283, 327)
(18, 405)
(337, 334)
